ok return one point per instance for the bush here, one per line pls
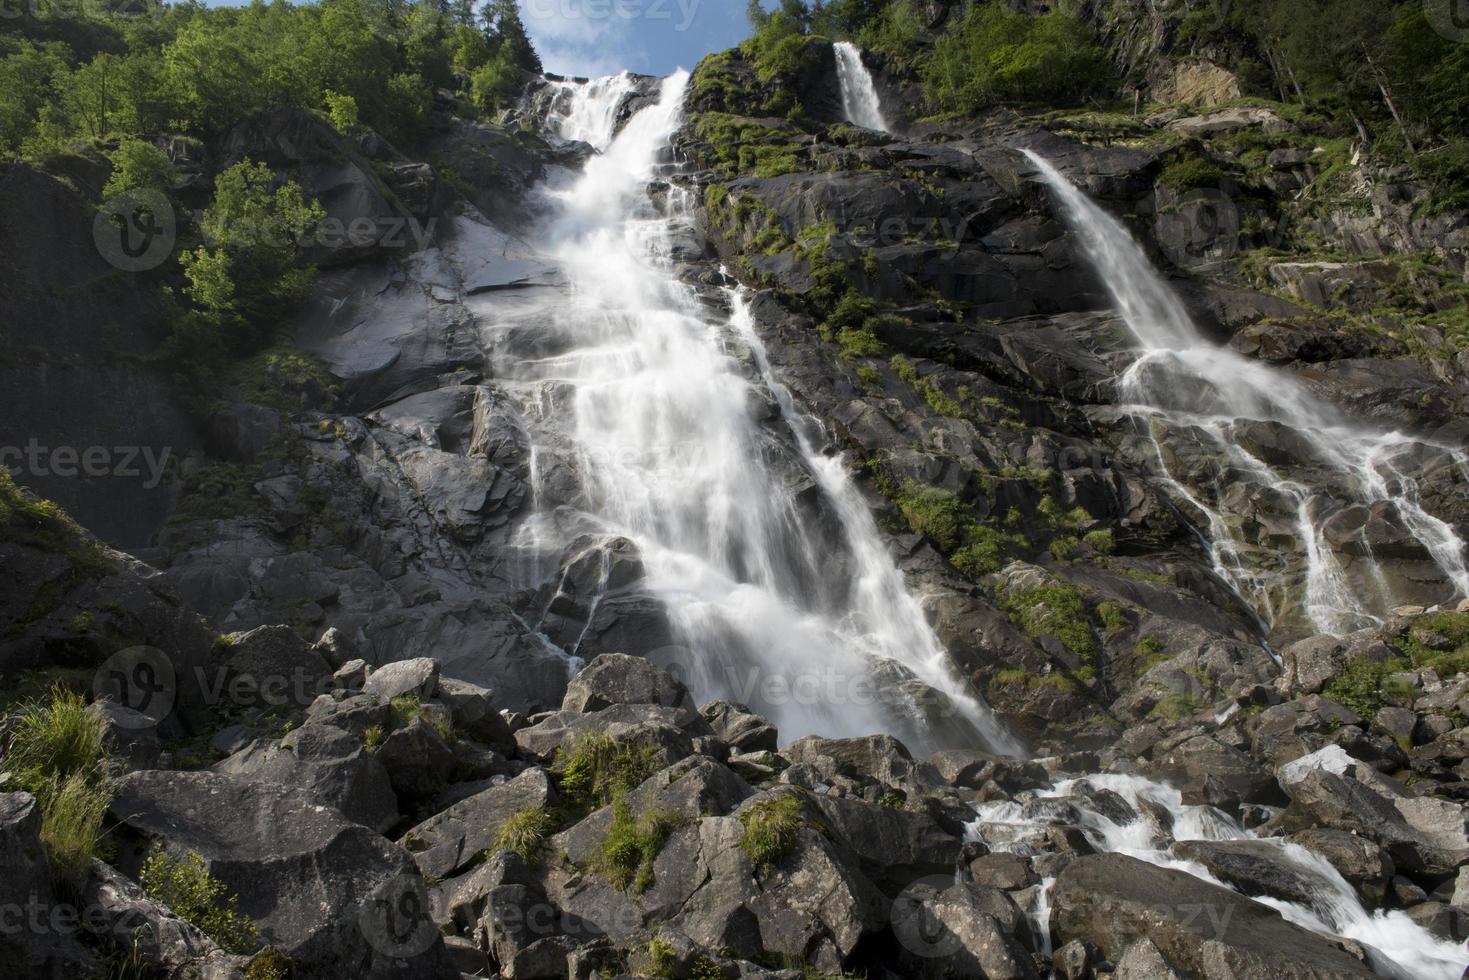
(770, 829)
(342, 110)
(198, 898)
(1451, 656)
(1190, 172)
(1057, 610)
(1101, 541)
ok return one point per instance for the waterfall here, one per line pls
(1182, 383)
(587, 111)
(768, 562)
(859, 95)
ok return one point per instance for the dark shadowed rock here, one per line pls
(274, 666)
(448, 842)
(303, 873)
(1113, 901)
(893, 846)
(739, 727)
(418, 761)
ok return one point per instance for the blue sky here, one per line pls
(654, 37)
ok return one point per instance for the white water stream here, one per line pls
(761, 549)
(1222, 400)
(686, 444)
(860, 103)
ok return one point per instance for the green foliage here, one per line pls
(197, 897)
(744, 146)
(525, 832)
(44, 525)
(219, 491)
(1189, 172)
(1176, 707)
(56, 751)
(771, 827)
(974, 548)
(342, 110)
(632, 845)
(595, 770)
(994, 55)
(284, 377)
(1058, 610)
(1111, 615)
(1365, 686)
(1101, 541)
(268, 964)
(246, 278)
(1449, 653)
(139, 165)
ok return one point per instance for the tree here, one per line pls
(506, 32)
(137, 164)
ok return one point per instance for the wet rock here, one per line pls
(971, 769)
(1256, 868)
(1365, 865)
(1113, 901)
(1444, 921)
(1002, 870)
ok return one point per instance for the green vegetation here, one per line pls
(1175, 707)
(632, 845)
(976, 549)
(596, 770)
(1189, 171)
(1448, 634)
(1101, 541)
(197, 897)
(56, 751)
(525, 832)
(1365, 686)
(744, 146)
(770, 829)
(42, 524)
(139, 165)
(1058, 610)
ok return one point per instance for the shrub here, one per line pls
(1190, 172)
(1101, 541)
(525, 832)
(342, 109)
(1449, 657)
(1057, 610)
(197, 897)
(770, 829)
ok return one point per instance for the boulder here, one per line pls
(472, 710)
(1114, 901)
(326, 762)
(971, 769)
(308, 877)
(1257, 868)
(171, 947)
(1209, 772)
(740, 728)
(1295, 728)
(643, 724)
(893, 847)
(273, 667)
(959, 930)
(418, 761)
(1145, 961)
(1365, 865)
(616, 678)
(449, 841)
(418, 677)
(879, 759)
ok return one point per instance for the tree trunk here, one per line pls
(1387, 97)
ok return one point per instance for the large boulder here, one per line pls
(274, 667)
(950, 930)
(616, 678)
(1113, 901)
(879, 759)
(893, 847)
(326, 762)
(666, 729)
(448, 842)
(308, 877)
(1209, 772)
(740, 728)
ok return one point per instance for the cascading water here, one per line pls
(660, 407)
(762, 552)
(588, 110)
(859, 95)
(1224, 401)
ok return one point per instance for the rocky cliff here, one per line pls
(422, 714)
